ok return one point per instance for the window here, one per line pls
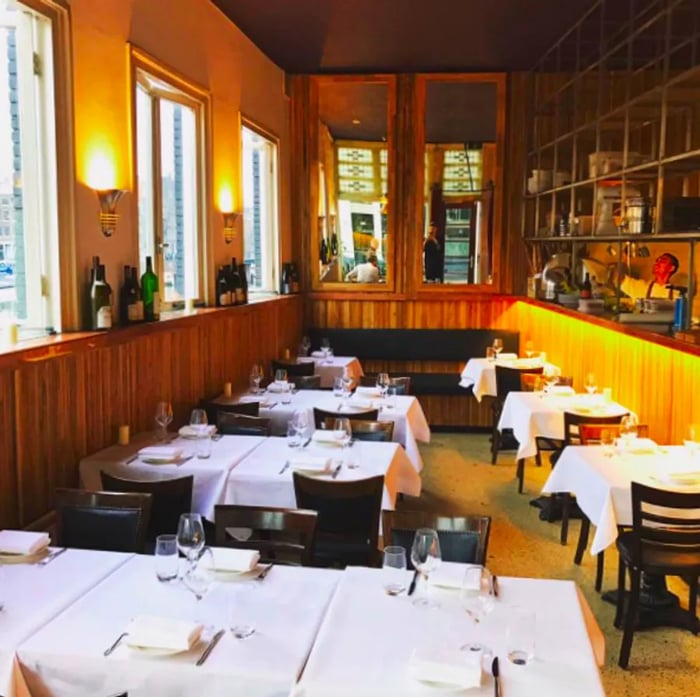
(170, 117)
(260, 209)
(29, 264)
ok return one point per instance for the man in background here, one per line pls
(365, 273)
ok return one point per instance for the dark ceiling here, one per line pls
(361, 36)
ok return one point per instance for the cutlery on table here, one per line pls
(184, 460)
(414, 580)
(284, 467)
(264, 572)
(210, 647)
(336, 471)
(131, 459)
(496, 678)
(494, 586)
(217, 436)
(272, 406)
(116, 643)
(306, 442)
(51, 557)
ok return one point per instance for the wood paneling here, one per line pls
(57, 406)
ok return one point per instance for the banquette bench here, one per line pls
(433, 358)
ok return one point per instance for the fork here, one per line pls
(51, 557)
(264, 572)
(284, 467)
(115, 644)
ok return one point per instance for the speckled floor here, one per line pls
(459, 479)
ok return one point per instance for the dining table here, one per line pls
(265, 476)
(66, 657)
(480, 373)
(331, 367)
(32, 594)
(368, 640)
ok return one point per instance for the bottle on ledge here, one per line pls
(295, 286)
(101, 300)
(243, 273)
(236, 284)
(127, 299)
(334, 245)
(150, 293)
(286, 280)
(136, 310)
(586, 288)
(223, 293)
(324, 251)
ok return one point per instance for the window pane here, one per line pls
(144, 164)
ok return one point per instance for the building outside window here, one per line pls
(260, 209)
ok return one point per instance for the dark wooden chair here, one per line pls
(664, 541)
(348, 518)
(402, 383)
(306, 368)
(169, 499)
(463, 539)
(213, 409)
(241, 425)
(307, 382)
(109, 521)
(321, 415)
(285, 536)
(507, 380)
(378, 431)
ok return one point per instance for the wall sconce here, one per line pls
(230, 226)
(108, 216)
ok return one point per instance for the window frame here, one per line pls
(192, 95)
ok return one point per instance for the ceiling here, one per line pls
(364, 36)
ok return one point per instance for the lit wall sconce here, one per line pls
(230, 226)
(108, 216)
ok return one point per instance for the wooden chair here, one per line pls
(306, 368)
(282, 535)
(109, 521)
(381, 431)
(402, 384)
(213, 409)
(307, 382)
(348, 518)
(240, 425)
(169, 499)
(463, 539)
(320, 416)
(507, 380)
(664, 540)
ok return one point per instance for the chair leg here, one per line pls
(599, 566)
(630, 619)
(582, 540)
(495, 437)
(693, 603)
(520, 474)
(538, 459)
(565, 506)
(620, 606)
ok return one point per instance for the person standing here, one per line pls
(432, 256)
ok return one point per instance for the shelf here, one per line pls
(689, 236)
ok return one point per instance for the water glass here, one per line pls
(280, 375)
(607, 441)
(286, 394)
(497, 346)
(199, 422)
(338, 387)
(293, 437)
(394, 570)
(391, 397)
(163, 416)
(190, 535)
(520, 636)
(426, 557)
(167, 559)
(203, 447)
(242, 609)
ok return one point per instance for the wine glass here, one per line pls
(394, 570)
(628, 428)
(550, 375)
(383, 382)
(347, 381)
(164, 416)
(306, 345)
(280, 375)
(199, 422)
(497, 346)
(477, 600)
(342, 433)
(607, 441)
(190, 535)
(300, 422)
(199, 576)
(529, 348)
(590, 383)
(426, 557)
(325, 347)
(256, 376)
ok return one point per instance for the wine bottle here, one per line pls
(236, 284)
(101, 301)
(126, 298)
(223, 293)
(285, 284)
(294, 285)
(334, 245)
(150, 293)
(324, 251)
(586, 288)
(243, 273)
(136, 310)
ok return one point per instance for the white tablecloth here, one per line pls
(410, 424)
(65, 658)
(334, 367)
(256, 480)
(210, 475)
(480, 374)
(532, 414)
(32, 595)
(366, 640)
(602, 485)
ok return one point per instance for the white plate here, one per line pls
(225, 574)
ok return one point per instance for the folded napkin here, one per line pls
(368, 391)
(229, 559)
(507, 357)
(310, 463)
(447, 575)
(278, 387)
(194, 432)
(446, 666)
(161, 452)
(324, 436)
(148, 631)
(561, 390)
(360, 401)
(305, 359)
(22, 541)
(639, 446)
(318, 354)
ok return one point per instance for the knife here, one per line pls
(412, 587)
(494, 586)
(51, 557)
(306, 442)
(284, 468)
(496, 678)
(131, 459)
(205, 654)
(264, 572)
(336, 472)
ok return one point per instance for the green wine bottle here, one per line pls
(151, 296)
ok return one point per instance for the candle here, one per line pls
(287, 354)
(11, 334)
(189, 305)
(227, 389)
(123, 438)
(607, 394)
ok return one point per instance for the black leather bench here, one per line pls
(398, 347)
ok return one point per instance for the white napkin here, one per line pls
(368, 391)
(192, 432)
(22, 541)
(324, 436)
(230, 559)
(148, 631)
(360, 401)
(507, 357)
(310, 463)
(278, 387)
(640, 446)
(305, 359)
(317, 354)
(562, 390)
(447, 575)
(447, 666)
(161, 452)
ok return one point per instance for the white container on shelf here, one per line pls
(608, 161)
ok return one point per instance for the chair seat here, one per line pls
(658, 561)
(333, 552)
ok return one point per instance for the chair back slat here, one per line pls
(509, 379)
(573, 422)
(378, 431)
(307, 382)
(242, 425)
(294, 369)
(321, 415)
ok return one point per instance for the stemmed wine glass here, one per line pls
(164, 416)
(325, 347)
(497, 346)
(476, 598)
(199, 423)
(550, 375)
(529, 348)
(347, 383)
(305, 345)
(199, 576)
(300, 423)
(590, 383)
(256, 376)
(190, 536)
(628, 428)
(342, 432)
(383, 382)
(426, 557)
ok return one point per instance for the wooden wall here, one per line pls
(57, 406)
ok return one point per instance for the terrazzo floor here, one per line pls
(458, 478)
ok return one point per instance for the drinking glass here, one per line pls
(342, 432)
(280, 375)
(628, 428)
(529, 348)
(476, 598)
(383, 382)
(203, 447)
(590, 383)
(550, 375)
(256, 376)
(199, 422)
(520, 636)
(286, 394)
(394, 570)
(426, 557)
(166, 560)
(300, 421)
(497, 346)
(338, 387)
(293, 439)
(306, 344)
(200, 576)
(325, 347)
(190, 535)
(242, 609)
(391, 397)
(164, 416)
(347, 380)
(607, 441)
(490, 354)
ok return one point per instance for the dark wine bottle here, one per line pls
(223, 293)
(136, 310)
(150, 293)
(236, 284)
(286, 280)
(294, 285)
(243, 273)
(126, 298)
(324, 251)
(334, 245)
(586, 288)
(101, 301)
